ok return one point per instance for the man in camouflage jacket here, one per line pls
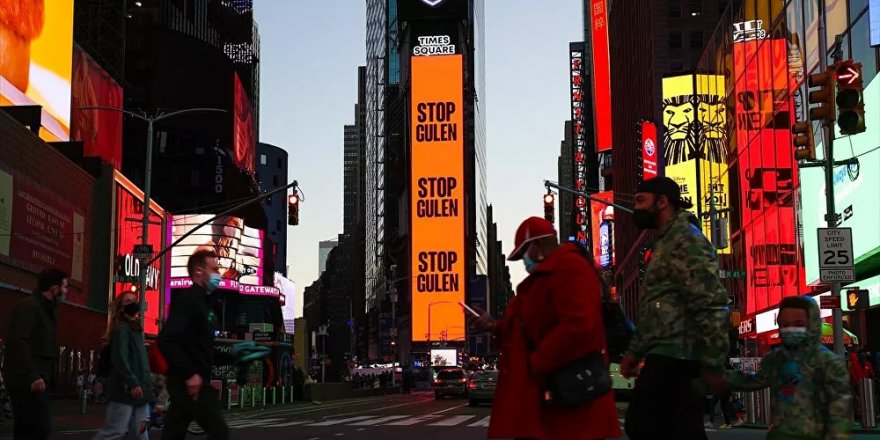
(810, 397)
(681, 332)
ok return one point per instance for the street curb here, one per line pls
(854, 430)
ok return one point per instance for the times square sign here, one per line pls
(578, 121)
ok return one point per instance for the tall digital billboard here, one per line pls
(650, 149)
(36, 56)
(244, 131)
(598, 15)
(695, 145)
(603, 230)
(99, 131)
(767, 171)
(579, 122)
(129, 232)
(437, 198)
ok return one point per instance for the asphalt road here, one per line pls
(407, 417)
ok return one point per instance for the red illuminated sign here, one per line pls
(650, 150)
(601, 73)
(578, 119)
(603, 229)
(245, 135)
(767, 171)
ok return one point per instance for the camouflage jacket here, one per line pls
(810, 397)
(682, 312)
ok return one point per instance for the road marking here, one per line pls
(483, 422)
(340, 421)
(379, 420)
(413, 420)
(251, 423)
(452, 421)
(384, 408)
(285, 424)
(450, 409)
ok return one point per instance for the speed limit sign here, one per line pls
(836, 255)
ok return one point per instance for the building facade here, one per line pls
(271, 174)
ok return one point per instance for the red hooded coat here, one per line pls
(559, 303)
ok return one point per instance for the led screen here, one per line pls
(437, 204)
(650, 150)
(601, 73)
(603, 229)
(99, 131)
(36, 56)
(245, 135)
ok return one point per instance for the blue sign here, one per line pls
(874, 22)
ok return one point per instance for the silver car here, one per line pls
(481, 387)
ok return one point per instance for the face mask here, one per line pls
(213, 282)
(529, 263)
(793, 337)
(644, 219)
(131, 309)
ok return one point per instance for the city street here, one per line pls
(416, 416)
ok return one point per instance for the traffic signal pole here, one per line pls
(830, 209)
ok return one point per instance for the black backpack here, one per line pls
(619, 330)
(105, 361)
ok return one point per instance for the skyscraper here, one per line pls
(324, 248)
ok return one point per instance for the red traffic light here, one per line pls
(848, 73)
(548, 199)
(292, 199)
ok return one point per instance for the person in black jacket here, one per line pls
(31, 351)
(187, 342)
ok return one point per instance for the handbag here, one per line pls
(577, 383)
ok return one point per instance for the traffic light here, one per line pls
(804, 144)
(549, 207)
(850, 98)
(824, 96)
(293, 210)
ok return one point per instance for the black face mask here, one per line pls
(131, 309)
(646, 218)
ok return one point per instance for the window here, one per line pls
(696, 40)
(280, 163)
(262, 159)
(674, 8)
(675, 40)
(695, 7)
(275, 181)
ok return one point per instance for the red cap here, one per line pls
(530, 230)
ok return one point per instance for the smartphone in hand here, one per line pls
(469, 309)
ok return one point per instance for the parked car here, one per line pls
(481, 387)
(450, 382)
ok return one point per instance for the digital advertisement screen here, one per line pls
(39, 229)
(768, 173)
(239, 250)
(36, 57)
(603, 229)
(601, 73)
(437, 204)
(855, 194)
(695, 144)
(99, 131)
(129, 231)
(650, 150)
(444, 357)
(245, 135)
(579, 123)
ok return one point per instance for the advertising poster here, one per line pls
(650, 150)
(695, 145)
(437, 204)
(43, 230)
(100, 131)
(768, 172)
(245, 135)
(601, 73)
(129, 232)
(444, 357)
(603, 229)
(36, 57)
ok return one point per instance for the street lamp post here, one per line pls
(430, 305)
(148, 171)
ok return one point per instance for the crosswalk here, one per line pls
(439, 420)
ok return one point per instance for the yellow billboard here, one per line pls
(695, 145)
(437, 198)
(36, 59)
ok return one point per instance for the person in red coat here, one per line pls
(559, 305)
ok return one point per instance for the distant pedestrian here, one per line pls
(187, 342)
(683, 320)
(31, 352)
(810, 398)
(554, 320)
(129, 384)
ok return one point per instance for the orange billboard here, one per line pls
(437, 198)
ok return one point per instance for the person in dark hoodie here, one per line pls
(31, 351)
(187, 342)
(129, 385)
(810, 397)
